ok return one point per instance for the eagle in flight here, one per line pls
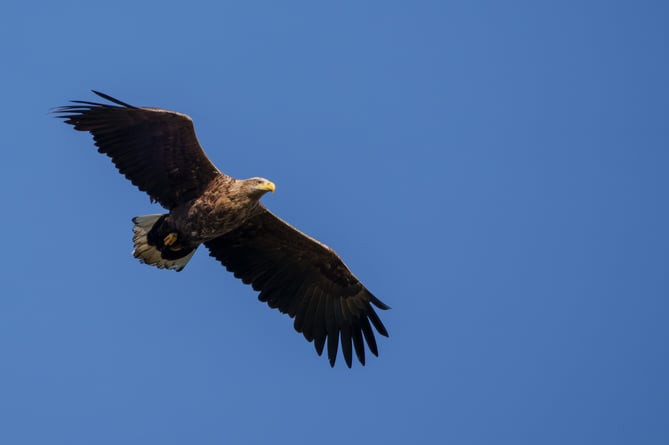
(157, 150)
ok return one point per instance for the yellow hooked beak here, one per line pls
(269, 186)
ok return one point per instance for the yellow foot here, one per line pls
(170, 239)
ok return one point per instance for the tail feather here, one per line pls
(148, 254)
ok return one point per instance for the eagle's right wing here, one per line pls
(156, 149)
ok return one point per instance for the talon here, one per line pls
(170, 239)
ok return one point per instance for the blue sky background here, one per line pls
(494, 171)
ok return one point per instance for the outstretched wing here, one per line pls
(304, 279)
(157, 150)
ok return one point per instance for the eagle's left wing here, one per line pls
(304, 279)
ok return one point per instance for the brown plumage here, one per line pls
(157, 150)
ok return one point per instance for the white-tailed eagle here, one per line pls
(157, 150)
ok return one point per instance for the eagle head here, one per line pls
(256, 187)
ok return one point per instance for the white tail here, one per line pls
(148, 254)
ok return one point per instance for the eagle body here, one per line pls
(224, 206)
(157, 150)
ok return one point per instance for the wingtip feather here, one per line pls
(112, 99)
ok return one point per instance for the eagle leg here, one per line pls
(170, 239)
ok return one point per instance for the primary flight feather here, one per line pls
(157, 150)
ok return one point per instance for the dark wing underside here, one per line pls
(157, 150)
(304, 279)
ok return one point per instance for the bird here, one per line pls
(157, 150)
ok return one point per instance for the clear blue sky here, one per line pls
(494, 171)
